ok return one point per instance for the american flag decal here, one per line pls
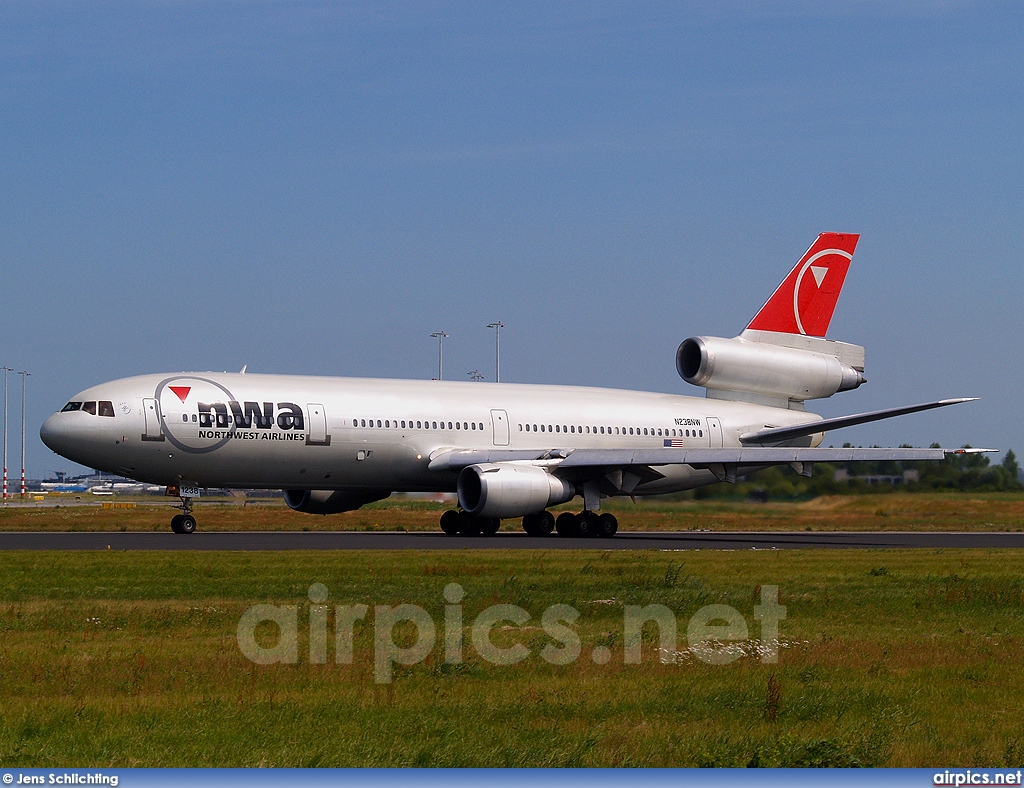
(674, 443)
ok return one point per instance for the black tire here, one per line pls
(586, 524)
(545, 523)
(489, 525)
(187, 524)
(566, 524)
(450, 522)
(607, 525)
(176, 524)
(469, 525)
(530, 524)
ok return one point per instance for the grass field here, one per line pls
(888, 658)
(877, 512)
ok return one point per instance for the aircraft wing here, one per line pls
(456, 459)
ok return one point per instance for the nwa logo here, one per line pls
(247, 415)
(200, 415)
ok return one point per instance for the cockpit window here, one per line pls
(89, 407)
(71, 406)
(106, 408)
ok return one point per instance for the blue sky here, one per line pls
(314, 188)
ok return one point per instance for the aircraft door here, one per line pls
(499, 421)
(715, 432)
(151, 410)
(316, 426)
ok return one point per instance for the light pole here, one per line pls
(497, 326)
(440, 335)
(6, 370)
(24, 377)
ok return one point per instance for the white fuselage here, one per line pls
(299, 432)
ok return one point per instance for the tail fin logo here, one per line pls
(804, 304)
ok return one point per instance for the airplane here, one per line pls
(508, 450)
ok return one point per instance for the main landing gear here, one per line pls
(457, 522)
(184, 523)
(585, 523)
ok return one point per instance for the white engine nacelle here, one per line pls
(768, 369)
(510, 489)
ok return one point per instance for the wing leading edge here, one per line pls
(456, 459)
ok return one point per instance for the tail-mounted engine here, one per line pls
(771, 364)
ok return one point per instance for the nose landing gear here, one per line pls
(184, 523)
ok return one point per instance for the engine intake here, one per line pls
(772, 370)
(331, 501)
(510, 490)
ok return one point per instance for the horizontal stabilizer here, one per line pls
(781, 434)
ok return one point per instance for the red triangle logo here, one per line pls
(181, 392)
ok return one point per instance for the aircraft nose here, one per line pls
(54, 433)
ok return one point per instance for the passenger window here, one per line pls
(557, 429)
(194, 418)
(702, 433)
(387, 423)
(71, 406)
(465, 426)
(89, 407)
(184, 417)
(458, 426)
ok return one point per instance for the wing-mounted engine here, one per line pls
(331, 501)
(510, 489)
(784, 366)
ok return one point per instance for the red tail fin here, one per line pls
(806, 299)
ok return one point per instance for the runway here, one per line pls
(380, 540)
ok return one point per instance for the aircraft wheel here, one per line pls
(176, 523)
(450, 522)
(530, 524)
(607, 525)
(566, 524)
(489, 526)
(545, 523)
(469, 525)
(586, 523)
(187, 524)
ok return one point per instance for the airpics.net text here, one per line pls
(711, 632)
